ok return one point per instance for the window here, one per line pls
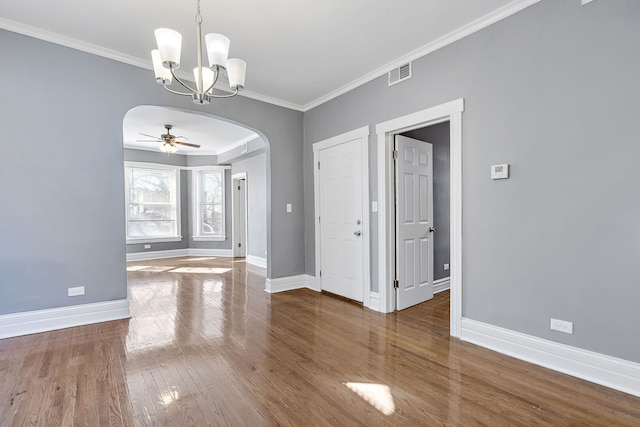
(152, 203)
(209, 205)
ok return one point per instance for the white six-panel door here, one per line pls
(341, 217)
(414, 221)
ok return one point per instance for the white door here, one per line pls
(414, 221)
(340, 197)
(239, 218)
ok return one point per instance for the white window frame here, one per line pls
(197, 197)
(153, 166)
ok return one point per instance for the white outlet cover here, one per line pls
(74, 292)
(446, 267)
(561, 326)
(289, 207)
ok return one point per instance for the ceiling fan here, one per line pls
(168, 141)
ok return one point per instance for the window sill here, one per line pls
(154, 240)
(209, 239)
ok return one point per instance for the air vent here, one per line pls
(399, 74)
(244, 148)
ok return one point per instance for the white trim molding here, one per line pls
(441, 285)
(176, 253)
(598, 368)
(452, 37)
(257, 261)
(289, 283)
(32, 322)
(452, 112)
(374, 301)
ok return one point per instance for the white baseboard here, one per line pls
(441, 285)
(282, 284)
(32, 322)
(223, 253)
(257, 261)
(175, 253)
(598, 368)
(374, 301)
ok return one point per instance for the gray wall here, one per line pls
(255, 167)
(62, 221)
(553, 91)
(438, 136)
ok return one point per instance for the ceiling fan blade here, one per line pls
(181, 137)
(151, 136)
(188, 144)
(148, 140)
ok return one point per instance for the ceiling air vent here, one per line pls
(399, 74)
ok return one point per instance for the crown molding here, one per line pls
(458, 34)
(480, 23)
(72, 43)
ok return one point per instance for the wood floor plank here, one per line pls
(209, 347)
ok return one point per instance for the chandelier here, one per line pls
(166, 59)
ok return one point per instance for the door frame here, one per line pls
(234, 235)
(363, 135)
(451, 112)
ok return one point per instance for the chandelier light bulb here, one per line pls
(166, 59)
(217, 49)
(236, 72)
(169, 44)
(163, 75)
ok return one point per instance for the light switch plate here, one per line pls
(500, 171)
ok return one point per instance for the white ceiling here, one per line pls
(213, 135)
(299, 52)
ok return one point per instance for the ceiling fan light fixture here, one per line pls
(167, 60)
(168, 148)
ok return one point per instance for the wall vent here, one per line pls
(399, 74)
(244, 148)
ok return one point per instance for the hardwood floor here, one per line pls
(207, 346)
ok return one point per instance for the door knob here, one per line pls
(357, 233)
(432, 229)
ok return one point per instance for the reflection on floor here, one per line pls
(207, 346)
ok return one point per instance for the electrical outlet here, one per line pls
(562, 326)
(446, 267)
(74, 292)
(147, 246)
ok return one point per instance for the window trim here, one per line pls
(161, 167)
(197, 214)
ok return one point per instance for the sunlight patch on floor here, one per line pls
(137, 267)
(377, 395)
(204, 270)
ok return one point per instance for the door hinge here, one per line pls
(239, 245)
(238, 188)
(395, 154)
(396, 284)
(318, 165)
(320, 273)
(318, 220)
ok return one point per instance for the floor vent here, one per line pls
(399, 74)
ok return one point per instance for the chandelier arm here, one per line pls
(231, 95)
(175, 91)
(181, 82)
(215, 79)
